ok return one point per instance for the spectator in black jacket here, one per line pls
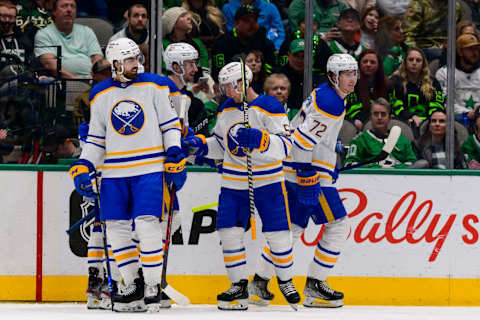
(244, 37)
(294, 70)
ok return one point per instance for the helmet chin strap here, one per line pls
(180, 75)
(335, 84)
(121, 77)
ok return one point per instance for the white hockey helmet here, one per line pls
(119, 50)
(178, 53)
(341, 62)
(232, 73)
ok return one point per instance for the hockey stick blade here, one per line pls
(390, 143)
(176, 296)
(392, 139)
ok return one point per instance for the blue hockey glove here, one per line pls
(80, 172)
(339, 147)
(187, 132)
(197, 142)
(253, 138)
(83, 131)
(308, 189)
(175, 168)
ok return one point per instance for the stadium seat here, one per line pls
(461, 130)
(103, 29)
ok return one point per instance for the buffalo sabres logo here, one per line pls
(127, 117)
(232, 143)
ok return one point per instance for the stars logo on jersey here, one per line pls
(232, 143)
(127, 117)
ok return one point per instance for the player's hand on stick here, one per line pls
(80, 172)
(175, 168)
(308, 189)
(198, 143)
(252, 138)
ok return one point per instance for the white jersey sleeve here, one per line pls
(319, 123)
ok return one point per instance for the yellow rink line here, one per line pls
(204, 289)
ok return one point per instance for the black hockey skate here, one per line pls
(94, 289)
(129, 298)
(289, 292)
(165, 302)
(235, 298)
(318, 294)
(258, 291)
(152, 297)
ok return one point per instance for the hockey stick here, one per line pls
(392, 139)
(168, 289)
(249, 157)
(77, 224)
(105, 244)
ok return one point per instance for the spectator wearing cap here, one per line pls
(349, 26)
(321, 51)
(467, 78)
(80, 47)
(177, 27)
(101, 70)
(426, 25)
(59, 143)
(269, 18)
(326, 13)
(243, 38)
(294, 70)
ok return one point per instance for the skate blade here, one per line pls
(321, 303)
(93, 303)
(165, 304)
(106, 304)
(256, 300)
(153, 307)
(239, 304)
(294, 306)
(135, 306)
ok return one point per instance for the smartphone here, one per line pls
(203, 79)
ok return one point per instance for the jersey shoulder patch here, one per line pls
(328, 102)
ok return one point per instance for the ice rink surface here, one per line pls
(71, 311)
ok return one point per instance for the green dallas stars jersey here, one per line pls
(367, 146)
(471, 148)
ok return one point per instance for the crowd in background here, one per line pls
(400, 47)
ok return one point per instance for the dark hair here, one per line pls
(136, 5)
(380, 90)
(54, 5)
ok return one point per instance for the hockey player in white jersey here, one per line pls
(311, 176)
(268, 138)
(135, 135)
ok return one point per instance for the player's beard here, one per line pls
(131, 74)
